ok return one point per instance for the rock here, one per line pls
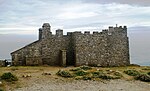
(1, 83)
(46, 73)
(25, 76)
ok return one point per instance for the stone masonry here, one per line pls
(107, 48)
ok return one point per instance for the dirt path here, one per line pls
(80, 85)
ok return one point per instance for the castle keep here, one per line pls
(107, 48)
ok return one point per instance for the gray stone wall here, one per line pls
(107, 48)
(90, 49)
(24, 55)
(119, 47)
(51, 47)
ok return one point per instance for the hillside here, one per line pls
(81, 79)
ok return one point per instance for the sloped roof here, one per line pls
(26, 46)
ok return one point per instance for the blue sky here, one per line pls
(21, 19)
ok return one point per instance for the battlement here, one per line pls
(45, 31)
(86, 32)
(59, 32)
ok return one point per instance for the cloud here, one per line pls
(73, 15)
(130, 2)
(70, 14)
(24, 31)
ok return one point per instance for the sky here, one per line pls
(21, 19)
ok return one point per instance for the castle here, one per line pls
(107, 48)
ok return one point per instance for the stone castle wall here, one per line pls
(107, 48)
(28, 55)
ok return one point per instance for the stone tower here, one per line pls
(45, 31)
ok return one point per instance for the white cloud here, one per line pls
(71, 14)
(131, 2)
(15, 30)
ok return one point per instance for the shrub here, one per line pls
(81, 73)
(132, 72)
(104, 76)
(136, 65)
(1, 89)
(64, 73)
(118, 74)
(147, 68)
(9, 77)
(96, 74)
(143, 77)
(85, 67)
(148, 73)
(86, 78)
(76, 69)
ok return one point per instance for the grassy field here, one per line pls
(30, 74)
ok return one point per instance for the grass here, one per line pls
(106, 73)
(86, 67)
(143, 77)
(75, 69)
(63, 73)
(1, 89)
(132, 72)
(81, 73)
(9, 77)
(148, 73)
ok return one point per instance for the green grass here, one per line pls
(85, 67)
(1, 89)
(131, 72)
(75, 69)
(9, 77)
(143, 77)
(65, 74)
(81, 73)
(148, 73)
(106, 73)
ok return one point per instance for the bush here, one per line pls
(148, 73)
(96, 74)
(147, 68)
(136, 65)
(1, 89)
(143, 77)
(64, 73)
(132, 72)
(81, 73)
(9, 77)
(85, 67)
(104, 76)
(86, 78)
